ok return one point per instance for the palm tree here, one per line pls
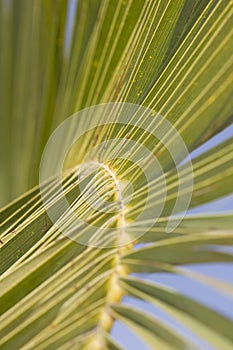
(163, 71)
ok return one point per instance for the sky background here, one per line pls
(185, 285)
(188, 287)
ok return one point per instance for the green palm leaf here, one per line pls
(172, 59)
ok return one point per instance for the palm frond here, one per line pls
(174, 60)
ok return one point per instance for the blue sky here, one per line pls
(198, 291)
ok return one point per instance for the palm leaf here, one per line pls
(173, 57)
